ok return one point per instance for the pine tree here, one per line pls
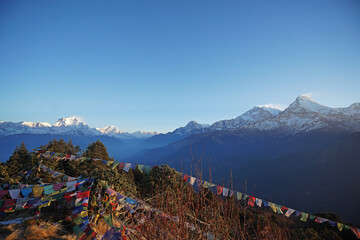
(20, 160)
(97, 150)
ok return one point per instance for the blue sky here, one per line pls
(155, 65)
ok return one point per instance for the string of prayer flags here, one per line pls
(218, 190)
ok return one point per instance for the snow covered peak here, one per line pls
(196, 125)
(68, 121)
(190, 128)
(109, 130)
(36, 124)
(304, 103)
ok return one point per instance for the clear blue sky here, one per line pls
(155, 65)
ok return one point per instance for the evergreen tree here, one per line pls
(20, 160)
(97, 150)
(62, 147)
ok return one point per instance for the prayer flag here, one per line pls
(37, 191)
(239, 195)
(289, 212)
(3, 193)
(57, 186)
(140, 167)
(25, 192)
(192, 180)
(71, 186)
(304, 217)
(251, 201)
(340, 226)
(219, 190)
(127, 167)
(225, 192)
(186, 177)
(49, 189)
(9, 203)
(14, 193)
(258, 202)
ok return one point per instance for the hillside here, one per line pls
(105, 199)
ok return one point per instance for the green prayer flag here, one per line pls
(245, 196)
(147, 169)
(206, 184)
(115, 165)
(140, 167)
(239, 195)
(49, 189)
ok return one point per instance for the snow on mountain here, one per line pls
(255, 114)
(110, 130)
(67, 126)
(191, 128)
(304, 115)
(304, 103)
(115, 132)
(36, 124)
(69, 121)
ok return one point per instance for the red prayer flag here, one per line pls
(186, 177)
(9, 202)
(83, 194)
(3, 193)
(284, 208)
(251, 201)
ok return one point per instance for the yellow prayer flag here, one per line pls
(38, 191)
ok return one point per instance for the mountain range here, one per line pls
(305, 156)
(303, 115)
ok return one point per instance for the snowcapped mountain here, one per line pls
(255, 114)
(69, 121)
(67, 126)
(115, 132)
(192, 127)
(304, 115)
(36, 124)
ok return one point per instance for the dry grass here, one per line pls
(33, 231)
